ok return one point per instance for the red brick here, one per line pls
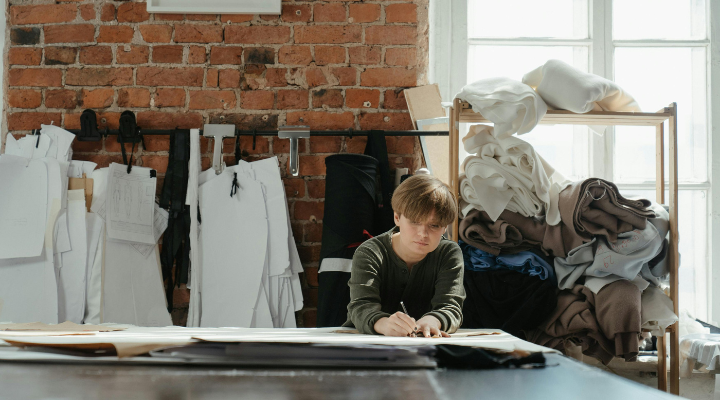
(197, 55)
(132, 12)
(113, 146)
(386, 121)
(292, 99)
(201, 17)
(313, 232)
(97, 98)
(115, 34)
(155, 76)
(156, 143)
(107, 13)
(198, 34)
(69, 33)
(257, 99)
(400, 144)
(60, 55)
(329, 12)
(86, 147)
(110, 120)
(305, 210)
(25, 121)
(362, 98)
(283, 145)
(136, 55)
(96, 55)
(316, 188)
(366, 55)
(212, 78)
(318, 120)
(262, 145)
(229, 78)
(395, 100)
(329, 55)
(61, 98)
(364, 13)
(211, 99)
(24, 56)
(156, 33)
(167, 54)
(309, 318)
(325, 144)
(45, 77)
(295, 55)
(99, 77)
(259, 55)
(87, 11)
(332, 98)
(275, 77)
(163, 120)
(388, 77)
(315, 77)
(134, 97)
(270, 17)
(400, 56)
(237, 18)
(24, 98)
(356, 145)
(311, 273)
(296, 13)
(257, 34)
(309, 253)
(328, 34)
(401, 13)
(169, 17)
(42, 14)
(382, 34)
(158, 163)
(346, 76)
(294, 187)
(226, 55)
(169, 97)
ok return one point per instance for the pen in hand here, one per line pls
(414, 333)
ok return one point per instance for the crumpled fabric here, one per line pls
(506, 173)
(602, 262)
(565, 87)
(657, 311)
(525, 262)
(512, 106)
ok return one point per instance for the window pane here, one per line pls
(643, 72)
(528, 18)
(516, 61)
(693, 224)
(659, 19)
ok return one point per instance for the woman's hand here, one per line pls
(429, 326)
(398, 324)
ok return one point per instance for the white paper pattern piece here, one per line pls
(72, 275)
(159, 225)
(78, 168)
(23, 206)
(129, 202)
(192, 201)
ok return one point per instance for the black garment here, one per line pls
(463, 357)
(507, 300)
(176, 239)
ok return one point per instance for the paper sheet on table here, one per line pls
(130, 199)
(159, 225)
(234, 245)
(23, 206)
(71, 276)
(66, 326)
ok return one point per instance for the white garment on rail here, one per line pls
(93, 291)
(194, 281)
(72, 273)
(507, 173)
(565, 87)
(512, 106)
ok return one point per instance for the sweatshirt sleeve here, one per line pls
(449, 290)
(364, 307)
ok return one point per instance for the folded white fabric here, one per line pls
(656, 311)
(565, 87)
(507, 174)
(512, 106)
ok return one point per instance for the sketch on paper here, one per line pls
(131, 212)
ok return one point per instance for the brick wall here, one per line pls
(333, 64)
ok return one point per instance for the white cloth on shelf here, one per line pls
(507, 174)
(565, 87)
(656, 311)
(512, 106)
(194, 280)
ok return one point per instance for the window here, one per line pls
(657, 50)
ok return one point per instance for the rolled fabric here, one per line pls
(565, 87)
(507, 173)
(617, 308)
(512, 106)
(595, 207)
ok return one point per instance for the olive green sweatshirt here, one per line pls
(379, 280)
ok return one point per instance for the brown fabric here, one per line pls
(595, 207)
(605, 325)
(513, 233)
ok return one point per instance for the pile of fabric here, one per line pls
(547, 259)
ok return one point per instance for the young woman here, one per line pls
(412, 264)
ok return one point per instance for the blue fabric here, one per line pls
(525, 262)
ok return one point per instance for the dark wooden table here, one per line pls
(564, 379)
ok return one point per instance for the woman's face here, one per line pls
(419, 237)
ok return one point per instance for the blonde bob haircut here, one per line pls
(420, 195)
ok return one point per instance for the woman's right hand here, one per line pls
(398, 324)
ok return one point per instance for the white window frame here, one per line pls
(449, 47)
